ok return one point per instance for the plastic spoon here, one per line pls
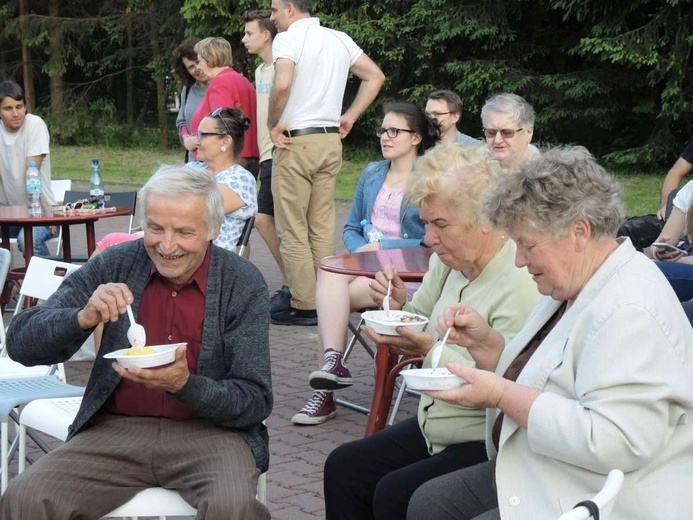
(386, 301)
(438, 349)
(136, 334)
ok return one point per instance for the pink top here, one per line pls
(113, 239)
(386, 211)
(229, 89)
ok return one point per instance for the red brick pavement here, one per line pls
(294, 483)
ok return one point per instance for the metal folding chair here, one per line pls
(584, 511)
(244, 239)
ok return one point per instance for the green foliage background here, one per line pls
(614, 76)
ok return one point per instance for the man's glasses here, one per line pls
(201, 135)
(391, 132)
(506, 133)
(436, 115)
(217, 113)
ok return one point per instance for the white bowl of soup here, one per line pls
(148, 357)
(382, 324)
(431, 379)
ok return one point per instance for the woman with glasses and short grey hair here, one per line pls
(508, 122)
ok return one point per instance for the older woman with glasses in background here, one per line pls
(227, 88)
(508, 126)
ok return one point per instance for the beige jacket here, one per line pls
(617, 379)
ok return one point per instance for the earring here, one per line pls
(223, 148)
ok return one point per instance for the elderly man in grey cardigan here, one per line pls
(194, 425)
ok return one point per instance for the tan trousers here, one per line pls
(303, 181)
(107, 464)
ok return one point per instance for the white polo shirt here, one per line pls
(323, 58)
(30, 140)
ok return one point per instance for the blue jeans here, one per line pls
(41, 234)
(680, 277)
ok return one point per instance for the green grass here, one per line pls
(136, 165)
(117, 165)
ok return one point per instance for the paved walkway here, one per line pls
(294, 484)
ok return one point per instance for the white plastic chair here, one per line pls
(20, 385)
(59, 188)
(612, 486)
(42, 279)
(54, 416)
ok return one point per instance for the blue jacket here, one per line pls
(372, 179)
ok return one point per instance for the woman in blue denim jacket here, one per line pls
(370, 183)
(405, 134)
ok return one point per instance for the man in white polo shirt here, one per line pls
(312, 64)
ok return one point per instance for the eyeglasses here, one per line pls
(201, 134)
(217, 113)
(506, 133)
(436, 115)
(391, 132)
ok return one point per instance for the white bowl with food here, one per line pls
(145, 357)
(431, 379)
(382, 324)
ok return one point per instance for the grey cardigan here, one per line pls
(232, 386)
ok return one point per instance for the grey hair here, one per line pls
(459, 176)
(179, 180)
(511, 104)
(552, 191)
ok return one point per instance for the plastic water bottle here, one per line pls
(96, 183)
(33, 190)
(372, 233)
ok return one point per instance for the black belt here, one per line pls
(313, 130)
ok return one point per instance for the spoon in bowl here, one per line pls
(438, 349)
(136, 334)
(386, 301)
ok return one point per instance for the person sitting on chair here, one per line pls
(220, 138)
(194, 425)
(473, 263)
(600, 377)
(406, 133)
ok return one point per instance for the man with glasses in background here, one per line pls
(23, 139)
(446, 107)
(312, 64)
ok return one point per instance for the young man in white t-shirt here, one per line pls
(258, 35)
(23, 139)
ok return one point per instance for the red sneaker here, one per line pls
(333, 375)
(317, 410)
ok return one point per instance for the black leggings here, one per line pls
(375, 477)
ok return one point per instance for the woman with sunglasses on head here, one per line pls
(220, 137)
(508, 122)
(405, 134)
(227, 88)
(195, 84)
